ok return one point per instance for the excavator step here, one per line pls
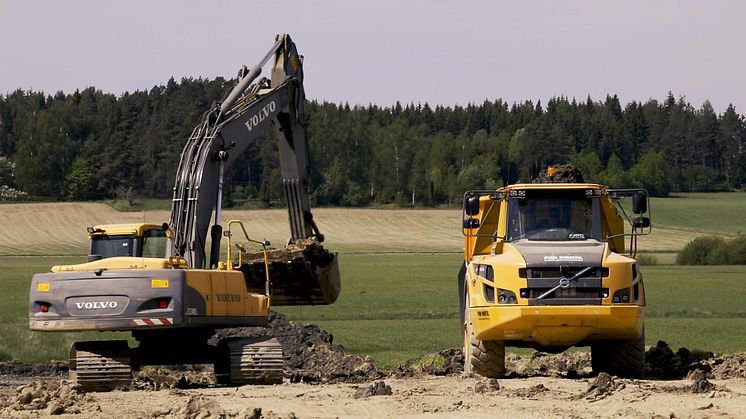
(254, 360)
(100, 365)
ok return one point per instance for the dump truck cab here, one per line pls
(545, 267)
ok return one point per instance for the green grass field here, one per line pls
(398, 271)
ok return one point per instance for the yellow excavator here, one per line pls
(154, 280)
(545, 268)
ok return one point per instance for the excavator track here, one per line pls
(100, 365)
(255, 360)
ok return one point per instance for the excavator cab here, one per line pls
(127, 240)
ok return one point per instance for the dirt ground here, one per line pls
(323, 381)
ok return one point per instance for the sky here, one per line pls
(379, 52)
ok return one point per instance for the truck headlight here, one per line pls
(621, 296)
(506, 297)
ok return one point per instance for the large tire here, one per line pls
(621, 358)
(485, 358)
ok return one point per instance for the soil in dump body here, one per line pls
(564, 173)
(301, 273)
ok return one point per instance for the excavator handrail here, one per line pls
(263, 243)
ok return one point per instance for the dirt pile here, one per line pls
(159, 378)
(487, 386)
(700, 384)
(310, 353)
(379, 388)
(601, 387)
(565, 364)
(729, 366)
(54, 397)
(199, 407)
(18, 369)
(662, 363)
(450, 361)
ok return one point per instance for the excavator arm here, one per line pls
(224, 133)
(301, 273)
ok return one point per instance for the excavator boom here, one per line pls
(250, 109)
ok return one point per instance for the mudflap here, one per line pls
(249, 360)
(300, 274)
(100, 365)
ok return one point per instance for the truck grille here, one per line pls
(584, 290)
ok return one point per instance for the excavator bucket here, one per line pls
(301, 273)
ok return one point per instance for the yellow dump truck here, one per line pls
(547, 266)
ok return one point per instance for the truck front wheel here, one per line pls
(482, 357)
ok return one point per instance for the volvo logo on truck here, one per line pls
(260, 116)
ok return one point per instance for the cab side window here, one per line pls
(154, 243)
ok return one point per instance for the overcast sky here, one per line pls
(440, 52)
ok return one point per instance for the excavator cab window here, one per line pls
(154, 244)
(103, 247)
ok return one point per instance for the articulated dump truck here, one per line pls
(545, 268)
(155, 281)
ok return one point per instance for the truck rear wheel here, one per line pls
(482, 357)
(621, 358)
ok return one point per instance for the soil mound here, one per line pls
(450, 361)
(603, 386)
(310, 353)
(188, 376)
(661, 362)
(541, 364)
(379, 388)
(55, 397)
(18, 369)
(729, 366)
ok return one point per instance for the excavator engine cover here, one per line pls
(301, 273)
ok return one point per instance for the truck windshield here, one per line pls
(554, 215)
(112, 246)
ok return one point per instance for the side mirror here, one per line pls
(471, 223)
(471, 206)
(640, 202)
(641, 222)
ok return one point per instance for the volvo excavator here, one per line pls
(155, 280)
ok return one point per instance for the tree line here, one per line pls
(92, 145)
